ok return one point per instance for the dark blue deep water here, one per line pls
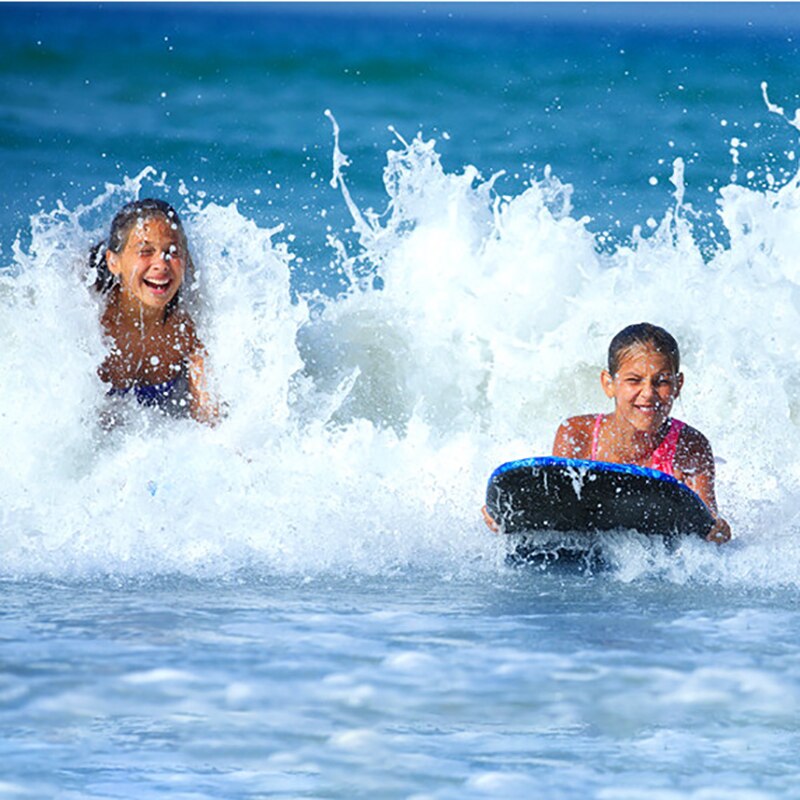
(230, 98)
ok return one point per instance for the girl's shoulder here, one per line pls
(692, 438)
(693, 451)
(180, 317)
(182, 326)
(583, 422)
(574, 436)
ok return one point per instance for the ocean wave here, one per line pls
(361, 428)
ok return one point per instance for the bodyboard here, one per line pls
(577, 496)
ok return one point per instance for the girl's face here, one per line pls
(152, 263)
(644, 388)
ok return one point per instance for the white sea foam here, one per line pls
(361, 439)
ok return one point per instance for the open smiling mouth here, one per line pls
(649, 411)
(157, 285)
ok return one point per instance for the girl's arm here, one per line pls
(490, 523)
(204, 408)
(699, 476)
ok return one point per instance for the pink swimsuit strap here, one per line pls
(663, 458)
(598, 421)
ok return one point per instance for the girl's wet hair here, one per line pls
(131, 214)
(647, 335)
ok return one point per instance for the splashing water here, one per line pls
(359, 437)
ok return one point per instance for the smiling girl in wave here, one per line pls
(155, 356)
(644, 380)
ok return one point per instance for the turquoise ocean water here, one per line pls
(416, 228)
